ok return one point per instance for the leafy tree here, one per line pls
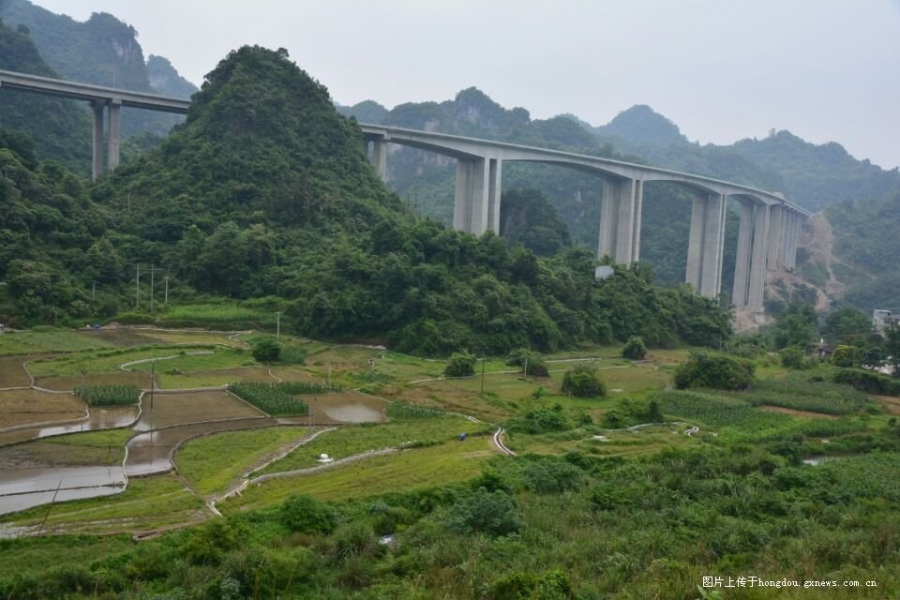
(541, 420)
(461, 364)
(533, 361)
(635, 348)
(892, 347)
(796, 326)
(583, 381)
(705, 370)
(793, 357)
(847, 357)
(847, 325)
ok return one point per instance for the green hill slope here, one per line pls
(265, 192)
(61, 129)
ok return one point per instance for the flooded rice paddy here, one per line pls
(35, 471)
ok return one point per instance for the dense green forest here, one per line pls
(866, 234)
(265, 192)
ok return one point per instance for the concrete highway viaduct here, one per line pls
(769, 230)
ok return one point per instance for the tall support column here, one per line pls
(379, 157)
(713, 246)
(742, 264)
(695, 243)
(471, 199)
(99, 142)
(620, 220)
(608, 217)
(638, 220)
(775, 226)
(628, 205)
(758, 257)
(495, 180)
(115, 121)
(706, 244)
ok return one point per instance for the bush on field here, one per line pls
(276, 398)
(307, 515)
(703, 370)
(541, 420)
(583, 381)
(552, 477)
(848, 357)
(461, 364)
(530, 360)
(868, 381)
(109, 395)
(793, 357)
(493, 513)
(635, 349)
(267, 351)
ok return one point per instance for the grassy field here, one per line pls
(46, 341)
(45, 553)
(354, 439)
(91, 448)
(211, 463)
(103, 361)
(409, 470)
(223, 358)
(148, 503)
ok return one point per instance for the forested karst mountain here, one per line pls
(265, 192)
(60, 129)
(102, 50)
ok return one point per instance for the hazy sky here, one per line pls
(721, 69)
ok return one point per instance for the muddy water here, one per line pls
(100, 418)
(167, 409)
(26, 488)
(349, 407)
(152, 452)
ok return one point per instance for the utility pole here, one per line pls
(153, 271)
(93, 291)
(278, 327)
(137, 293)
(152, 379)
(483, 360)
(167, 290)
(526, 368)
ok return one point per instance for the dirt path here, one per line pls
(891, 404)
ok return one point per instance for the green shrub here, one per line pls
(583, 381)
(492, 513)
(267, 351)
(848, 357)
(635, 348)
(401, 411)
(704, 370)
(552, 477)
(793, 357)
(461, 364)
(868, 381)
(541, 420)
(307, 515)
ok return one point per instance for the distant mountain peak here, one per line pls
(640, 124)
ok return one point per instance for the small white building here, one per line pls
(881, 319)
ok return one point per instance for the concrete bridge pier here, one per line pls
(97, 112)
(750, 268)
(620, 220)
(379, 157)
(706, 244)
(115, 127)
(776, 226)
(476, 206)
